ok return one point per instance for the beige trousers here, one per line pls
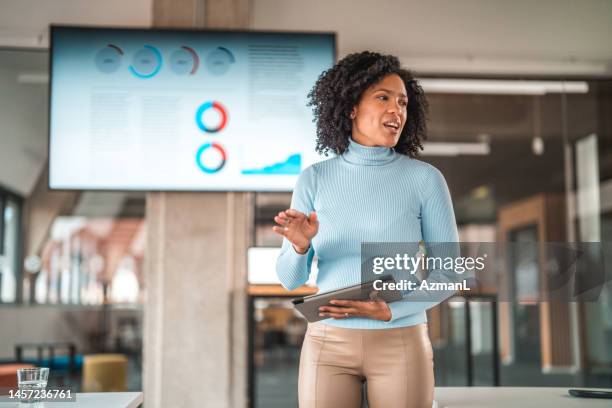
(397, 365)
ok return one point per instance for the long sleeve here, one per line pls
(292, 268)
(439, 232)
(370, 194)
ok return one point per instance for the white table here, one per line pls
(91, 400)
(513, 397)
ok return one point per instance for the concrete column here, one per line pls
(195, 334)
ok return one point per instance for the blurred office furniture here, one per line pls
(276, 332)
(128, 339)
(511, 397)
(104, 373)
(463, 332)
(52, 358)
(8, 374)
(79, 325)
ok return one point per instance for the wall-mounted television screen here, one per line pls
(139, 109)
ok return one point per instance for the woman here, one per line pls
(371, 113)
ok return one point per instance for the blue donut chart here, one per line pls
(140, 56)
(205, 147)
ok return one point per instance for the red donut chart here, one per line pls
(211, 105)
(209, 169)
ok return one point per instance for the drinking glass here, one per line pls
(34, 379)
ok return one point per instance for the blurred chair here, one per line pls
(278, 317)
(8, 374)
(104, 373)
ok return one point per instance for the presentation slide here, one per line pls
(136, 109)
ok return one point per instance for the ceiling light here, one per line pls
(32, 78)
(502, 87)
(537, 146)
(481, 192)
(455, 149)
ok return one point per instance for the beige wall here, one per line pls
(470, 36)
(24, 23)
(546, 36)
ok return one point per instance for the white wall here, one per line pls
(466, 36)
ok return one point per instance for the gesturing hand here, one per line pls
(298, 228)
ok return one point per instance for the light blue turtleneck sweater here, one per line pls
(367, 194)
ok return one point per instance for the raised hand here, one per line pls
(298, 228)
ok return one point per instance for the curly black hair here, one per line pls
(340, 88)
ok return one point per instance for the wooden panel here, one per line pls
(505, 332)
(560, 343)
(547, 213)
(521, 214)
(278, 290)
(178, 13)
(227, 13)
(513, 216)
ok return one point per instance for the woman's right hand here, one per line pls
(298, 228)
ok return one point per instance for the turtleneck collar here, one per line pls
(368, 156)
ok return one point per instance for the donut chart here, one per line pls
(108, 59)
(220, 109)
(219, 61)
(184, 61)
(222, 158)
(147, 62)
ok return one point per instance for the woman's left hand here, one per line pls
(342, 309)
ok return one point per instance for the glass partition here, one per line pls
(504, 145)
(71, 280)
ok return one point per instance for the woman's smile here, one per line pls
(393, 126)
